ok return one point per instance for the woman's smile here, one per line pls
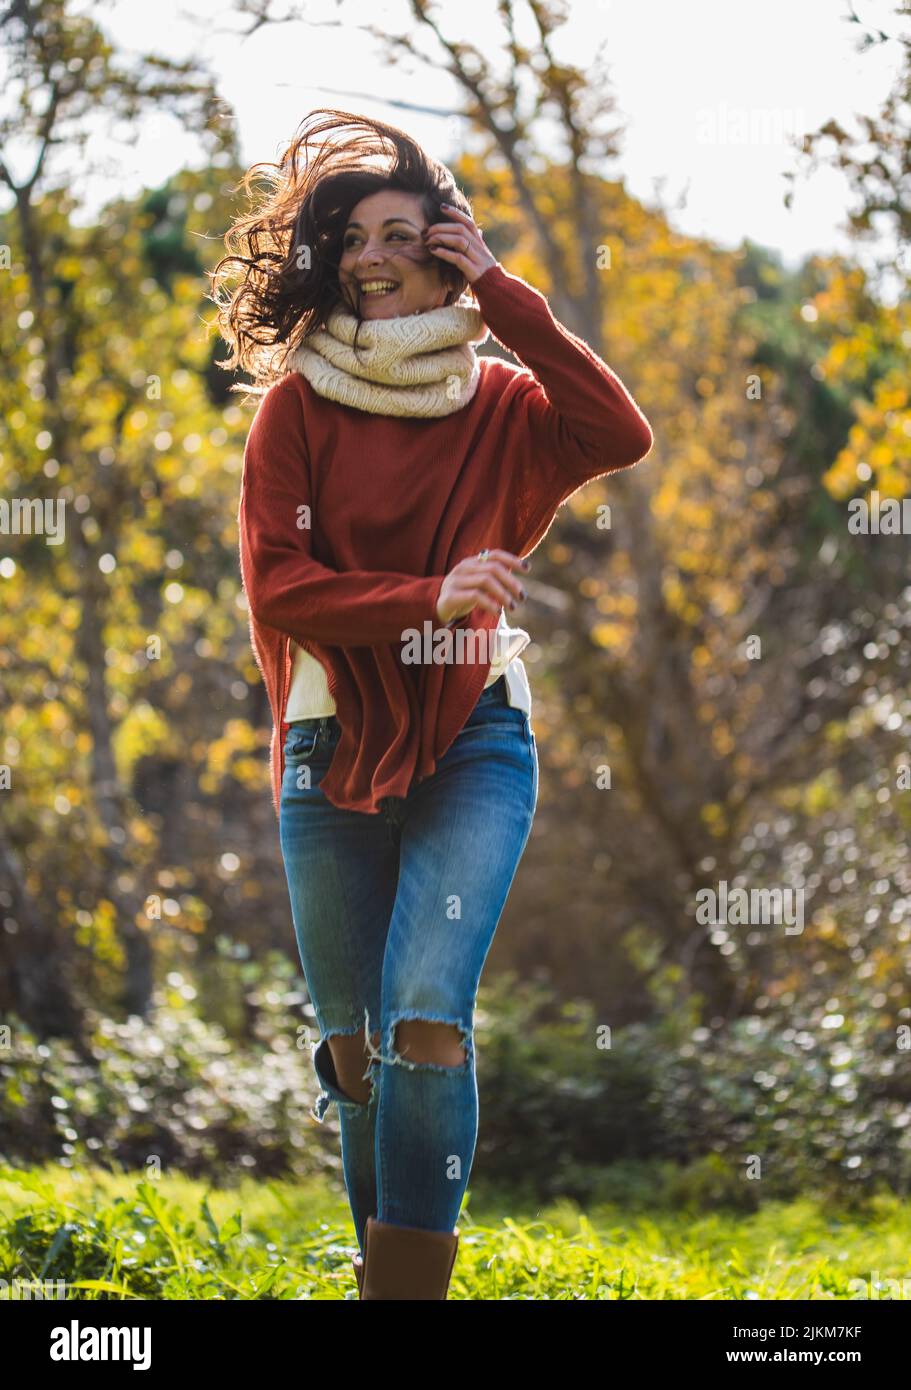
(377, 288)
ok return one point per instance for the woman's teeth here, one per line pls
(375, 289)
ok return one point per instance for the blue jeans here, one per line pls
(394, 915)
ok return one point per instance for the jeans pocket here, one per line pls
(302, 739)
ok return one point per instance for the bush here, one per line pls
(670, 1112)
(801, 1106)
(170, 1091)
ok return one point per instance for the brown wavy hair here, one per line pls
(305, 204)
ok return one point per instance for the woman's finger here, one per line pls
(458, 235)
(452, 234)
(458, 213)
(450, 226)
(500, 591)
(480, 569)
(471, 582)
(506, 557)
(478, 598)
(461, 244)
(461, 259)
(451, 240)
(500, 557)
(504, 589)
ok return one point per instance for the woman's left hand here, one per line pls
(462, 245)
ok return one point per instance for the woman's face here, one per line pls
(382, 243)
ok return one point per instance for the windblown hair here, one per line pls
(286, 251)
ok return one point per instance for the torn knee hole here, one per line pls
(347, 1055)
(423, 1040)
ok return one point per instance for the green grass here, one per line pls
(126, 1236)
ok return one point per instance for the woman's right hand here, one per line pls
(489, 583)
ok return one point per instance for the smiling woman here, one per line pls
(332, 233)
(393, 485)
(385, 268)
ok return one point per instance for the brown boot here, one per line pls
(407, 1262)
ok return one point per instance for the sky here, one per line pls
(711, 94)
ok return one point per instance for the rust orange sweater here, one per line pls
(350, 521)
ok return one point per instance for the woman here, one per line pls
(393, 483)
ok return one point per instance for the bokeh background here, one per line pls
(718, 200)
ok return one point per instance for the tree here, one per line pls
(706, 546)
(62, 73)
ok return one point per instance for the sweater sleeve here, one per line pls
(286, 587)
(579, 417)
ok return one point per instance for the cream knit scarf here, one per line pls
(422, 364)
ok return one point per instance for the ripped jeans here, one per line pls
(394, 915)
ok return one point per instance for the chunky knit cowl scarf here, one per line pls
(422, 364)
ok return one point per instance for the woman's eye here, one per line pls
(349, 241)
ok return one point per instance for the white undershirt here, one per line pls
(309, 695)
